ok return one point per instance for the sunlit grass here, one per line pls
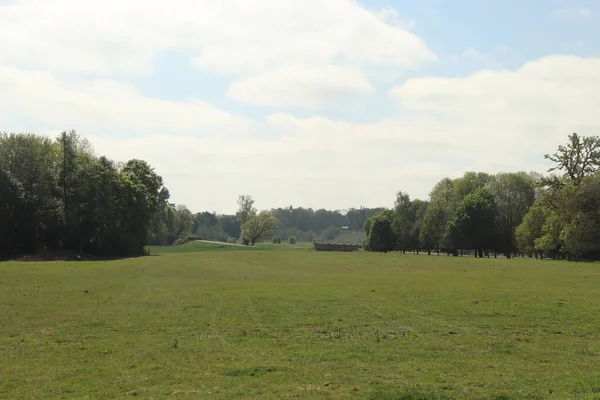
(274, 324)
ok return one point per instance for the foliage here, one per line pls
(514, 195)
(408, 217)
(579, 158)
(258, 226)
(292, 240)
(330, 233)
(60, 196)
(531, 229)
(276, 240)
(245, 208)
(380, 234)
(473, 226)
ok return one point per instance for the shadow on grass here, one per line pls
(254, 371)
(68, 256)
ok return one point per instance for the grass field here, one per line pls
(300, 324)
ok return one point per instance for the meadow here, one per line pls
(213, 322)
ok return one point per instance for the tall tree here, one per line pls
(245, 208)
(579, 158)
(514, 195)
(380, 234)
(474, 223)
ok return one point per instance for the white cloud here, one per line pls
(228, 36)
(300, 86)
(108, 104)
(489, 121)
(253, 41)
(280, 53)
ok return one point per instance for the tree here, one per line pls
(259, 225)
(579, 236)
(531, 229)
(245, 208)
(431, 233)
(514, 195)
(231, 226)
(330, 233)
(380, 235)
(292, 240)
(402, 221)
(186, 220)
(64, 197)
(579, 158)
(474, 224)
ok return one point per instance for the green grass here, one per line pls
(303, 324)
(198, 247)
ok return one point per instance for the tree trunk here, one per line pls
(428, 252)
(461, 252)
(480, 253)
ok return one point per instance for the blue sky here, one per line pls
(329, 103)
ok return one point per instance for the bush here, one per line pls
(185, 239)
(276, 240)
(292, 240)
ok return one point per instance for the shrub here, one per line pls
(276, 240)
(292, 240)
(185, 239)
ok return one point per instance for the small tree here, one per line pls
(258, 226)
(276, 240)
(292, 240)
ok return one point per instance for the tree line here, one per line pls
(58, 195)
(302, 224)
(514, 214)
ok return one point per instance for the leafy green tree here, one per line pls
(231, 226)
(258, 226)
(579, 158)
(407, 221)
(531, 228)
(514, 195)
(431, 233)
(245, 208)
(579, 236)
(292, 240)
(380, 235)
(474, 223)
(186, 220)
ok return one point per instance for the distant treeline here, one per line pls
(555, 216)
(304, 224)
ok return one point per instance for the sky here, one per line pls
(315, 103)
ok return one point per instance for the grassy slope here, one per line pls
(273, 324)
